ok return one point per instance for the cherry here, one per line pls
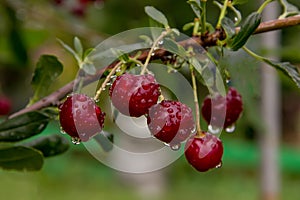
(204, 152)
(80, 117)
(170, 121)
(225, 110)
(133, 95)
(5, 105)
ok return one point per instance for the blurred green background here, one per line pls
(29, 28)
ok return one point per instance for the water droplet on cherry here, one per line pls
(230, 129)
(175, 147)
(213, 129)
(219, 165)
(62, 130)
(75, 140)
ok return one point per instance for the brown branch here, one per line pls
(205, 41)
(278, 24)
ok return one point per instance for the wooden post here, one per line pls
(270, 108)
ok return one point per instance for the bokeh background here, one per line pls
(30, 28)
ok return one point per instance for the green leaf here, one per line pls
(89, 68)
(156, 15)
(121, 55)
(23, 126)
(50, 145)
(239, 2)
(47, 71)
(173, 47)
(78, 47)
(288, 9)
(21, 159)
(87, 52)
(188, 26)
(228, 26)
(286, 68)
(147, 39)
(238, 15)
(195, 4)
(70, 50)
(247, 29)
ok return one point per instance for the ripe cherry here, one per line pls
(222, 111)
(204, 152)
(80, 117)
(5, 105)
(133, 95)
(170, 121)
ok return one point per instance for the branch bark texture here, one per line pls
(205, 41)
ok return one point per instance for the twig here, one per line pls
(205, 41)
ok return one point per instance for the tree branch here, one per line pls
(205, 41)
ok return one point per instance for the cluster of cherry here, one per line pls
(169, 121)
(78, 7)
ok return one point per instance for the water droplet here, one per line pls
(76, 140)
(103, 89)
(236, 19)
(118, 70)
(160, 42)
(152, 54)
(230, 129)
(219, 165)
(166, 144)
(113, 77)
(62, 130)
(213, 129)
(228, 81)
(97, 100)
(109, 84)
(175, 147)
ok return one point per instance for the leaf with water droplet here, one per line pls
(23, 126)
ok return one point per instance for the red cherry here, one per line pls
(5, 105)
(204, 153)
(225, 110)
(80, 117)
(133, 95)
(170, 121)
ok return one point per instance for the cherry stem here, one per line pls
(198, 127)
(222, 14)
(162, 35)
(107, 79)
